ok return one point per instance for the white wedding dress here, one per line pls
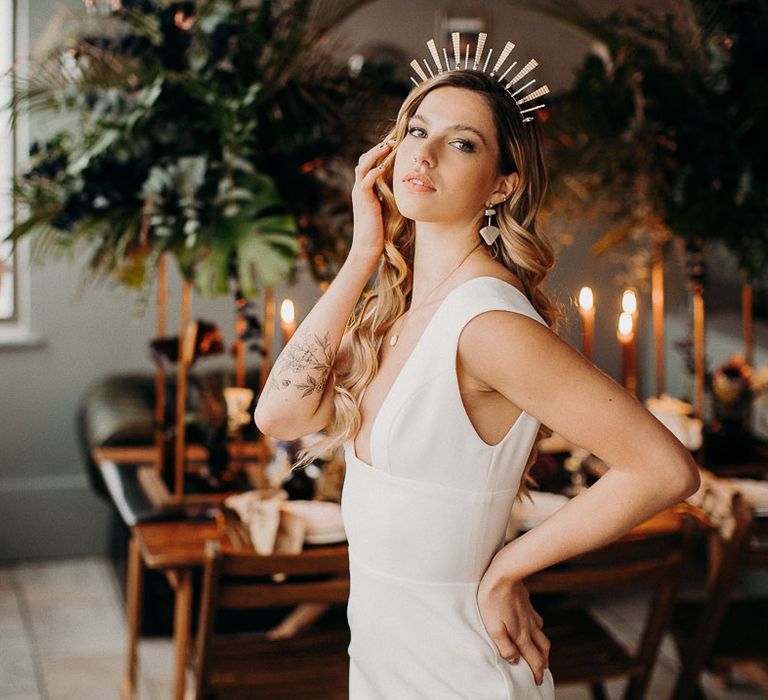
(425, 519)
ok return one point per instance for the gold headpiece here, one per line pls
(527, 68)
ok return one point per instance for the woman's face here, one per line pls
(451, 142)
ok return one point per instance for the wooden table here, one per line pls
(175, 548)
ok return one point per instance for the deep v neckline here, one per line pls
(399, 375)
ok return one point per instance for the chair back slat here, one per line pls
(600, 577)
(632, 548)
(247, 580)
(624, 562)
(266, 595)
(323, 560)
(582, 651)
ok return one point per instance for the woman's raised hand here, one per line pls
(368, 233)
(513, 625)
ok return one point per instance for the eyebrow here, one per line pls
(455, 127)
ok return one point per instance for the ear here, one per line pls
(504, 187)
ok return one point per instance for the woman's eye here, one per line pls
(466, 146)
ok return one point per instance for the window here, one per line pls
(14, 276)
(8, 303)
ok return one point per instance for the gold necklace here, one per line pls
(395, 336)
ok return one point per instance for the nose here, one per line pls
(422, 156)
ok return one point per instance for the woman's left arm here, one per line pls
(650, 469)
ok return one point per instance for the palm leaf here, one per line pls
(265, 259)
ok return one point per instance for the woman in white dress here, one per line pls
(438, 388)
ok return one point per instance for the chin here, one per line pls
(411, 208)
(415, 212)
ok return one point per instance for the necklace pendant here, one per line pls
(393, 339)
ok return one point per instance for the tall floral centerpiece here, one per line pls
(222, 132)
(663, 131)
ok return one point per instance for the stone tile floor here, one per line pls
(63, 637)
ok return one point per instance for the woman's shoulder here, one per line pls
(510, 295)
(501, 273)
(497, 270)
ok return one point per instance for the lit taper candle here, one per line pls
(626, 336)
(587, 313)
(287, 320)
(629, 306)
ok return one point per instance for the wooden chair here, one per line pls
(583, 651)
(313, 663)
(720, 631)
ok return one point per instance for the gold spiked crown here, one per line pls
(522, 102)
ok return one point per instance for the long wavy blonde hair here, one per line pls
(519, 247)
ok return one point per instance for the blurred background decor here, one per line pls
(666, 92)
(127, 89)
(468, 22)
(735, 387)
(220, 132)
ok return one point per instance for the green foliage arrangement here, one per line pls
(222, 132)
(664, 125)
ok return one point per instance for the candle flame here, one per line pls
(287, 311)
(182, 21)
(629, 301)
(625, 324)
(586, 298)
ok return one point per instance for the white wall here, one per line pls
(46, 508)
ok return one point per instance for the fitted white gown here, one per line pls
(425, 519)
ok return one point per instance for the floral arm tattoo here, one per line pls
(304, 355)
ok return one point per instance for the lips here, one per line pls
(421, 178)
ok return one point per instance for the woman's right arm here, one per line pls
(298, 380)
(297, 388)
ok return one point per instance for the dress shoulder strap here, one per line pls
(497, 294)
(435, 352)
(488, 293)
(469, 299)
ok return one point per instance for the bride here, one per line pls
(445, 213)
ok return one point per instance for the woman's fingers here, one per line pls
(368, 233)
(514, 626)
(365, 164)
(507, 648)
(367, 158)
(542, 641)
(535, 650)
(370, 177)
